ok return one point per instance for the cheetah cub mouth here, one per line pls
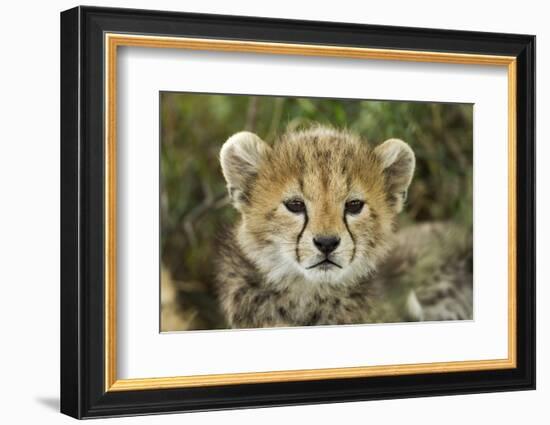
(325, 264)
(318, 206)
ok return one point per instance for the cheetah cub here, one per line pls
(317, 213)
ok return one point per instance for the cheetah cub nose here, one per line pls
(326, 244)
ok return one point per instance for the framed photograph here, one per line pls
(261, 212)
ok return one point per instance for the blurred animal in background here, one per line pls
(316, 241)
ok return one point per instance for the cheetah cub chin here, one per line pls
(317, 212)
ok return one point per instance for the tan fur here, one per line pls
(266, 274)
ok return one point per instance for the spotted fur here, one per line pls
(271, 271)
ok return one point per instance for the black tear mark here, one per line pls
(351, 236)
(300, 237)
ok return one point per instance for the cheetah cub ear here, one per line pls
(398, 161)
(240, 158)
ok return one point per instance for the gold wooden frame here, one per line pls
(113, 41)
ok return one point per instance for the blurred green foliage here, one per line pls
(194, 205)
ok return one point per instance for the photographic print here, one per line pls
(288, 211)
(322, 200)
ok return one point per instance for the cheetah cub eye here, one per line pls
(354, 207)
(296, 206)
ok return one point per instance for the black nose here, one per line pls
(326, 244)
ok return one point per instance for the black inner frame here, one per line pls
(82, 212)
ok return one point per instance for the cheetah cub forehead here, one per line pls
(317, 207)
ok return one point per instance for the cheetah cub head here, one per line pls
(318, 206)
